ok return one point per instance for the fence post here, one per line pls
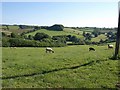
(118, 34)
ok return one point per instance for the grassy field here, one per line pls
(97, 39)
(71, 66)
(55, 33)
(74, 31)
(87, 30)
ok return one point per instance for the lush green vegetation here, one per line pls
(60, 36)
(71, 66)
(89, 34)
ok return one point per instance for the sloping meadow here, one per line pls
(68, 67)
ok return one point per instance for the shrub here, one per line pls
(5, 42)
(40, 36)
(56, 27)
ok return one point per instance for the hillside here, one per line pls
(66, 31)
(14, 29)
(26, 31)
(68, 67)
(97, 39)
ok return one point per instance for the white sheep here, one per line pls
(110, 46)
(49, 50)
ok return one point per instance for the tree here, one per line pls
(84, 33)
(37, 27)
(111, 36)
(57, 27)
(61, 38)
(68, 37)
(96, 33)
(40, 36)
(14, 42)
(3, 34)
(7, 27)
(88, 36)
(30, 37)
(13, 35)
(101, 41)
(5, 42)
(22, 26)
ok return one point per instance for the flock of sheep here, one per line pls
(50, 50)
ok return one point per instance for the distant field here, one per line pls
(87, 30)
(66, 31)
(106, 31)
(72, 66)
(14, 29)
(97, 39)
(55, 33)
(74, 31)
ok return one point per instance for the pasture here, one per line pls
(97, 39)
(68, 67)
(56, 33)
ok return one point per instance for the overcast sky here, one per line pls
(78, 14)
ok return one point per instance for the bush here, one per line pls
(5, 42)
(40, 36)
(3, 34)
(56, 27)
(18, 42)
(13, 35)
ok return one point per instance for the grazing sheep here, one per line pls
(91, 49)
(110, 46)
(49, 50)
(13, 47)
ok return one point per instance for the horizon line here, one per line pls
(59, 24)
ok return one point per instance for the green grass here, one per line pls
(97, 39)
(87, 30)
(55, 33)
(106, 31)
(74, 31)
(72, 66)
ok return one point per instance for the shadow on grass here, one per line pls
(114, 58)
(50, 71)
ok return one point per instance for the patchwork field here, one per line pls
(71, 66)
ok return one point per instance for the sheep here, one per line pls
(110, 46)
(49, 50)
(91, 49)
(13, 47)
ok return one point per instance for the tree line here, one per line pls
(43, 40)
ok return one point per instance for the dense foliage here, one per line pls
(39, 40)
(56, 27)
